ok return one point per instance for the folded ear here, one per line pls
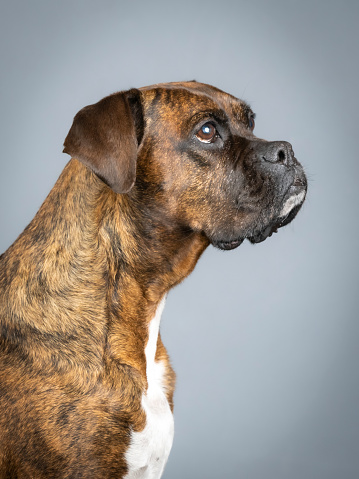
(106, 136)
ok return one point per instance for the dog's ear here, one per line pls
(106, 136)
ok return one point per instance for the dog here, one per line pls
(156, 175)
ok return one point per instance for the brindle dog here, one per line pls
(156, 175)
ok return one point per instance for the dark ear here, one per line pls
(105, 137)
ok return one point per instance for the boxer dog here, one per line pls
(157, 174)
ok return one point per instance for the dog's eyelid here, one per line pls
(208, 116)
(219, 123)
(213, 134)
(251, 118)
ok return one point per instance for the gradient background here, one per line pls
(264, 338)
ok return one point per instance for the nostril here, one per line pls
(281, 156)
(277, 152)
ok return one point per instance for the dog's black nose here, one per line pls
(278, 152)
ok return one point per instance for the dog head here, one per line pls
(190, 149)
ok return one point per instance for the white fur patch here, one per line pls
(291, 203)
(149, 449)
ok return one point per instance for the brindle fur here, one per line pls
(81, 283)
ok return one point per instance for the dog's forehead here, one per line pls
(188, 98)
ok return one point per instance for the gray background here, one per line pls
(264, 338)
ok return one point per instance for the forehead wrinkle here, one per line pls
(171, 109)
(196, 99)
(164, 106)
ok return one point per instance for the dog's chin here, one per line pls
(227, 245)
(257, 237)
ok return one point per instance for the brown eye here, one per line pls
(207, 133)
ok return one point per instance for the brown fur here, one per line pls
(80, 285)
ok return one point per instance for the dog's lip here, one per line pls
(299, 182)
(296, 192)
(293, 201)
(262, 235)
(266, 233)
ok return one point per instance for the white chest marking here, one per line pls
(149, 449)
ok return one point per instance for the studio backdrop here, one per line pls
(264, 339)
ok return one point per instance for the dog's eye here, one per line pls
(251, 123)
(207, 133)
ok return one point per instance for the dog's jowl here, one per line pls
(156, 176)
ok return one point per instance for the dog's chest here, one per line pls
(149, 449)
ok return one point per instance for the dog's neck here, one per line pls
(147, 254)
(109, 266)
